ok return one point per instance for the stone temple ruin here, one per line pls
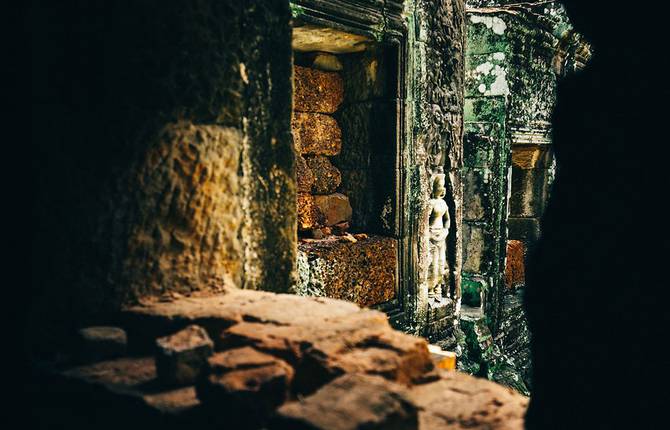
(305, 200)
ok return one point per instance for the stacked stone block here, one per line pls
(317, 136)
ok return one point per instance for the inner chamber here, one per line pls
(345, 128)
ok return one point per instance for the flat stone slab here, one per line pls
(215, 313)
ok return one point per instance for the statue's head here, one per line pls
(439, 191)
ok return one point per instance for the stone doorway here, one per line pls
(345, 128)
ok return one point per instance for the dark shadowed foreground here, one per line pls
(597, 287)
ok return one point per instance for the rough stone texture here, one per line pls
(305, 177)
(458, 401)
(310, 38)
(327, 62)
(514, 338)
(524, 229)
(181, 357)
(437, 82)
(327, 176)
(245, 383)
(475, 251)
(362, 342)
(138, 189)
(190, 239)
(351, 402)
(101, 343)
(363, 272)
(310, 215)
(530, 192)
(316, 91)
(316, 134)
(335, 207)
(131, 379)
(216, 313)
(515, 271)
(532, 157)
(324, 359)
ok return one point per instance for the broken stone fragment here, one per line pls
(444, 360)
(327, 62)
(351, 402)
(348, 238)
(180, 357)
(326, 176)
(335, 207)
(246, 383)
(101, 343)
(316, 134)
(340, 228)
(316, 91)
(305, 177)
(310, 216)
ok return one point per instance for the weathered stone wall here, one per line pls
(515, 54)
(162, 140)
(436, 120)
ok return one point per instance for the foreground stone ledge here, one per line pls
(285, 360)
(215, 313)
(316, 134)
(316, 90)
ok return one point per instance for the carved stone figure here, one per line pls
(439, 224)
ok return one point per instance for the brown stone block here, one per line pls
(515, 271)
(180, 357)
(326, 176)
(246, 383)
(363, 272)
(309, 214)
(316, 90)
(305, 177)
(316, 134)
(460, 401)
(335, 207)
(348, 403)
(362, 342)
